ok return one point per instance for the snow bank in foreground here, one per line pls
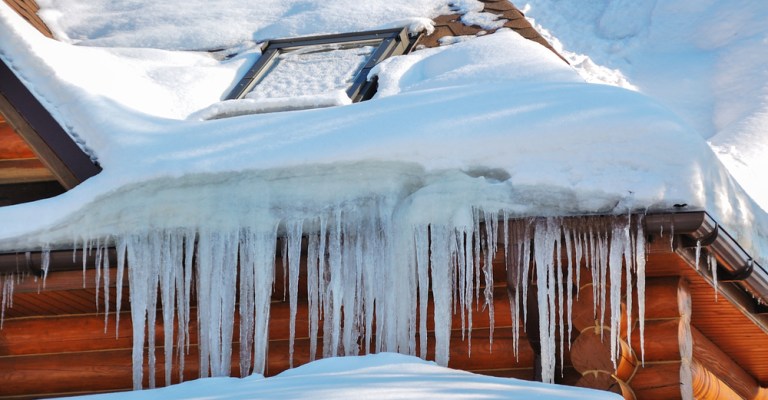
(381, 376)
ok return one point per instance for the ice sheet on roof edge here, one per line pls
(362, 238)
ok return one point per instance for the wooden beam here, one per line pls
(657, 381)
(28, 10)
(591, 351)
(24, 171)
(14, 147)
(52, 145)
(16, 193)
(708, 386)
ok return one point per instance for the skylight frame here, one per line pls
(390, 42)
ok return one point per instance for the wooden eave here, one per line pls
(36, 142)
(28, 10)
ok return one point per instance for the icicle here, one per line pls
(525, 252)
(86, 253)
(569, 280)
(46, 263)
(7, 302)
(284, 259)
(349, 270)
(640, 273)
(121, 256)
(477, 254)
(363, 265)
(712, 261)
(442, 275)
(579, 253)
(106, 279)
(335, 293)
(629, 265)
(154, 266)
(377, 261)
(261, 253)
(603, 260)
(216, 262)
(615, 268)
(138, 278)
(246, 305)
(465, 283)
(545, 241)
(171, 264)
(183, 296)
(672, 238)
(421, 237)
(313, 253)
(698, 253)
(293, 245)
(491, 233)
(97, 268)
(558, 271)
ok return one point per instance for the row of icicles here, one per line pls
(368, 283)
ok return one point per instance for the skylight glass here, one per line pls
(313, 70)
(316, 71)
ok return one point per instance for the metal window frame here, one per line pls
(392, 42)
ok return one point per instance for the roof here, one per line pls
(492, 124)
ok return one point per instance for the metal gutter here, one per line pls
(738, 277)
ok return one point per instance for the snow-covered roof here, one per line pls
(494, 123)
(553, 144)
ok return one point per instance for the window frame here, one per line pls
(394, 41)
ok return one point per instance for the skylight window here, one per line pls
(319, 71)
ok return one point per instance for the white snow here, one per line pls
(311, 70)
(390, 192)
(705, 60)
(382, 376)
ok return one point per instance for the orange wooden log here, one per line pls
(708, 386)
(663, 345)
(657, 381)
(710, 357)
(607, 382)
(592, 353)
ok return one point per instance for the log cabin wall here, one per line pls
(55, 341)
(678, 359)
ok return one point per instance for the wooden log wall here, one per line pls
(680, 362)
(54, 342)
(591, 350)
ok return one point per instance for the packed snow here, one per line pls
(705, 60)
(381, 376)
(489, 128)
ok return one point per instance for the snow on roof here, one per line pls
(704, 60)
(381, 376)
(493, 103)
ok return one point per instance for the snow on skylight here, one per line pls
(311, 70)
